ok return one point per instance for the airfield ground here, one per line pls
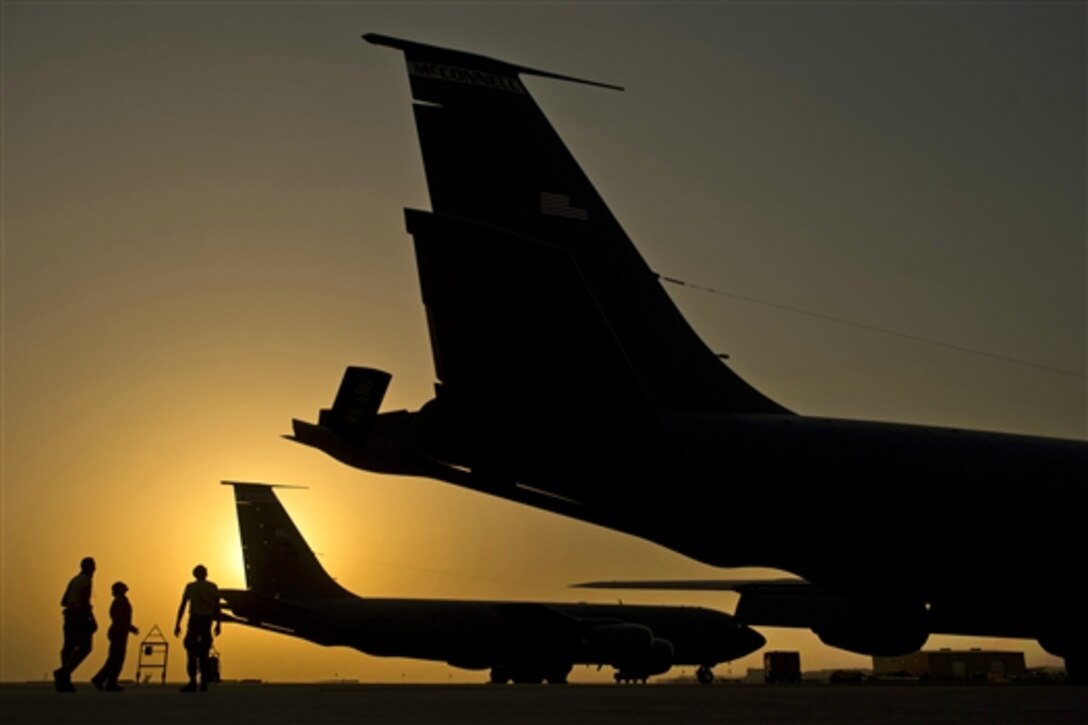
(260, 704)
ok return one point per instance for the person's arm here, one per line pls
(217, 614)
(128, 613)
(181, 611)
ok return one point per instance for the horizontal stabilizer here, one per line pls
(356, 404)
(248, 607)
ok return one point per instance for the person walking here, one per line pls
(120, 628)
(79, 625)
(202, 598)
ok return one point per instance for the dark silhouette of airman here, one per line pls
(120, 628)
(79, 625)
(202, 596)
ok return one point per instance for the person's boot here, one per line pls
(191, 687)
(62, 681)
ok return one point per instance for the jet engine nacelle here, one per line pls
(630, 648)
(610, 644)
(867, 628)
(661, 657)
(888, 639)
(658, 662)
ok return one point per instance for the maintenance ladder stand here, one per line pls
(155, 649)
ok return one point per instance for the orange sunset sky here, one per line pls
(203, 225)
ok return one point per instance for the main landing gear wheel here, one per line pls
(704, 675)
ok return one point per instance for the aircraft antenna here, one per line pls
(873, 328)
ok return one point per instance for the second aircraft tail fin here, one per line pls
(279, 563)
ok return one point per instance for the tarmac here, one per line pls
(584, 704)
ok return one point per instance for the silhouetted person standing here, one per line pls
(202, 596)
(120, 628)
(79, 625)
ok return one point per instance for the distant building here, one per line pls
(781, 666)
(949, 664)
(755, 676)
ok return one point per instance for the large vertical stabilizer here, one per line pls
(528, 279)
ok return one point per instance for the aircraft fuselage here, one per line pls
(481, 635)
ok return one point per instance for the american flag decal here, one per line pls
(559, 205)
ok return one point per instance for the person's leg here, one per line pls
(122, 648)
(77, 645)
(102, 676)
(190, 658)
(62, 678)
(68, 650)
(78, 650)
(205, 663)
(112, 668)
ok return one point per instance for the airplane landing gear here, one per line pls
(704, 675)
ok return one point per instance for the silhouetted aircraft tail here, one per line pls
(356, 404)
(279, 564)
(537, 302)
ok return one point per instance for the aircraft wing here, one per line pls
(867, 626)
(715, 585)
(782, 602)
